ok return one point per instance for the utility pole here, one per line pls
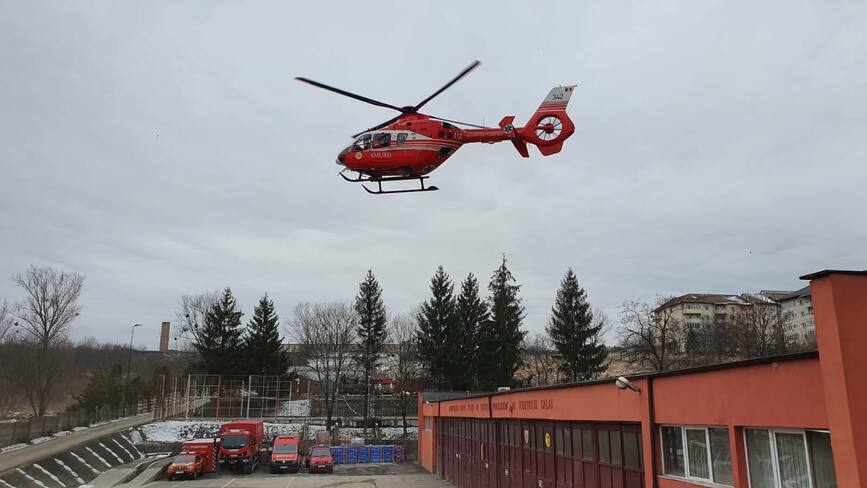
(129, 363)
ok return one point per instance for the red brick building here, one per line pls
(797, 420)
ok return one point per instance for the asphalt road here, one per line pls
(402, 475)
(27, 455)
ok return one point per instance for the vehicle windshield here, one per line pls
(320, 452)
(184, 459)
(361, 143)
(285, 449)
(234, 441)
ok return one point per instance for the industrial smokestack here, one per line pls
(164, 337)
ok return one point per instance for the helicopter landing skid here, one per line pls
(380, 179)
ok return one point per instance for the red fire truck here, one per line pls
(241, 443)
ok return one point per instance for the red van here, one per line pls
(320, 459)
(186, 464)
(284, 454)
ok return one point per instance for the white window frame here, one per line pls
(775, 460)
(687, 475)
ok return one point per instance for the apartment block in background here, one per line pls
(797, 313)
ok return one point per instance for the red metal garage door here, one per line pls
(610, 456)
(563, 450)
(585, 474)
(504, 455)
(528, 455)
(544, 448)
(488, 454)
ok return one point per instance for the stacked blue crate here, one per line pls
(376, 454)
(351, 455)
(339, 453)
(388, 454)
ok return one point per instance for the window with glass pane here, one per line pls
(631, 450)
(603, 446)
(587, 436)
(759, 458)
(566, 441)
(615, 448)
(696, 444)
(721, 456)
(822, 460)
(672, 451)
(792, 460)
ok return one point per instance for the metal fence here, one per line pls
(21, 431)
(268, 397)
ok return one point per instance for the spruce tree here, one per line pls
(218, 341)
(436, 319)
(500, 336)
(263, 346)
(471, 313)
(574, 333)
(371, 331)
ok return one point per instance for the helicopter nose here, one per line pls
(340, 158)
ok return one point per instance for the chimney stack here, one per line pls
(164, 337)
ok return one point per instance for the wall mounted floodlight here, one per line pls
(624, 383)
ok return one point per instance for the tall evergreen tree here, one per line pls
(574, 332)
(471, 312)
(500, 336)
(436, 320)
(263, 346)
(371, 331)
(218, 342)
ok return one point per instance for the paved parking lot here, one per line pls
(356, 476)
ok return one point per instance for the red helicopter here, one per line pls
(411, 145)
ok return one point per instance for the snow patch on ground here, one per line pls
(31, 478)
(61, 433)
(40, 440)
(49, 474)
(79, 429)
(385, 433)
(13, 447)
(84, 462)
(295, 408)
(187, 430)
(70, 470)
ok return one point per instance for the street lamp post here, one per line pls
(129, 362)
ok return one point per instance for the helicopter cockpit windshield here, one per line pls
(362, 143)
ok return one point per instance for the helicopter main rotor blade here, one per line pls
(461, 123)
(463, 73)
(349, 94)
(379, 126)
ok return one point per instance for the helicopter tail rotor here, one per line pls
(549, 126)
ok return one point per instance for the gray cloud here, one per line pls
(163, 148)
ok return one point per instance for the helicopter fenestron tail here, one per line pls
(548, 127)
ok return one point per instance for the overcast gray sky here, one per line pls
(163, 148)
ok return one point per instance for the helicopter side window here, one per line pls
(382, 139)
(401, 138)
(362, 143)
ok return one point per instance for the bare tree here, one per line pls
(541, 360)
(759, 328)
(407, 369)
(191, 315)
(6, 322)
(326, 332)
(651, 337)
(9, 390)
(45, 314)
